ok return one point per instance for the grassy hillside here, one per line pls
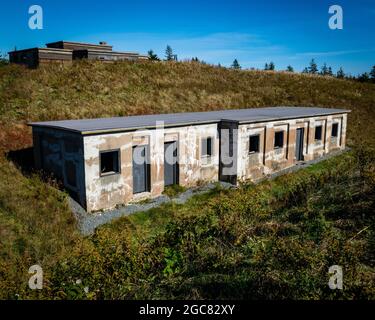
(89, 90)
(276, 240)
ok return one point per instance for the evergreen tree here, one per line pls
(340, 74)
(313, 68)
(169, 53)
(351, 77)
(271, 66)
(364, 77)
(266, 66)
(329, 72)
(289, 68)
(372, 74)
(324, 70)
(305, 70)
(235, 64)
(152, 56)
(3, 59)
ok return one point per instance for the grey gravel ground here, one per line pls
(303, 164)
(88, 222)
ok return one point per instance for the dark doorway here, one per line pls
(170, 163)
(299, 144)
(228, 136)
(141, 169)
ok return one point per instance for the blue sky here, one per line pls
(254, 32)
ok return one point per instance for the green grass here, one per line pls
(173, 190)
(273, 240)
(153, 221)
(276, 239)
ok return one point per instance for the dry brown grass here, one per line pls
(94, 89)
(35, 223)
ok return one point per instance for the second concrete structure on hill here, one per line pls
(66, 51)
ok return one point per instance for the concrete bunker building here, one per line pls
(111, 161)
(64, 52)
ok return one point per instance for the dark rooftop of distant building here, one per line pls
(101, 43)
(87, 126)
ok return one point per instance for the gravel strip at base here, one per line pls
(88, 222)
(303, 164)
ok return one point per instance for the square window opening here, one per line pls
(318, 133)
(109, 162)
(279, 139)
(335, 129)
(254, 143)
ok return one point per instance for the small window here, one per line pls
(254, 144)
(279, 139)
(335, 129)
(207, 147)
(109, 162)
(318, 133)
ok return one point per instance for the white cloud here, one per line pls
(251, 50)
(328, 53)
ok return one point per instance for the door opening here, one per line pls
(171, 167)
(299, 144)
(141, 169)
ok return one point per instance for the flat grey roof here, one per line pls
(91, 126)
(79, 43)
(44, 49)
(110, 52)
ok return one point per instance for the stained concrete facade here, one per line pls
(270, 159)
(74, 151)
(34, 57)
(108, 191)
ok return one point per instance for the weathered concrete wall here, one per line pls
(104, 192)
(268, 159)
(75, 159)
(61, 153)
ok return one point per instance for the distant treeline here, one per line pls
(312, 68)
